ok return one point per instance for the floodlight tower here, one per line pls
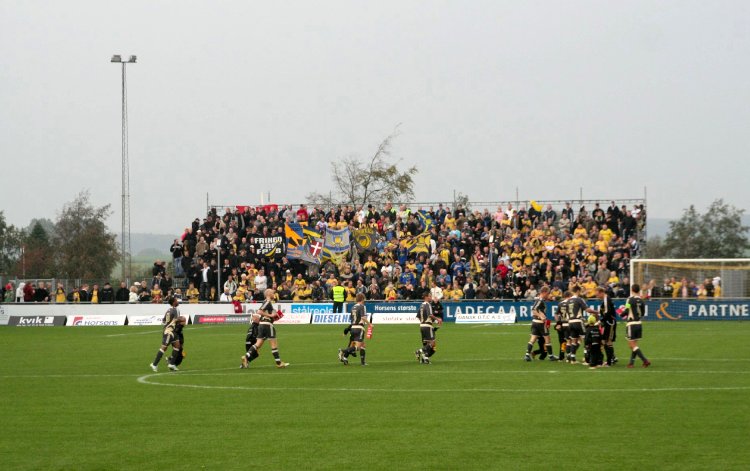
(125, 247)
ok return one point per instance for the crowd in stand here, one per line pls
(507, 254)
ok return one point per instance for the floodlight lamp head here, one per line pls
(116, 58)
(132, 59)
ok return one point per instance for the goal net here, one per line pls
(668, 278)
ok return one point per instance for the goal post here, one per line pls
(731, 275)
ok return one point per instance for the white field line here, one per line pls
(146, 379)
(430, 371)
(191, 330)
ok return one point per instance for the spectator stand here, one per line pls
(500, 218)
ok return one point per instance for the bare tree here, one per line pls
(375, 180)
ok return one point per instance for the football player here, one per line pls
(266, 331)
(171, 335)
(539, 326)
(427, 329)
(635, 308)
(356, 331)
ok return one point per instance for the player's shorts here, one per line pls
(575, 330)
(634, 331)
(428, 332)
(539, 329)
(357, 334)
(610, 332)
(252, 335)
(266, 331)
(167, 338)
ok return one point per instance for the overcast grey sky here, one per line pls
(233, 98)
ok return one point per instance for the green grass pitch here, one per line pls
(85, 398)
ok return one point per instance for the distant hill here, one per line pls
(151, 245)
(660, 227)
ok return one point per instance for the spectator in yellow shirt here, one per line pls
(303, 294)
(60, 294)
(450, 222)
(676, 288)
(589, 287)
(602, 245)
(192, 294)
(350, 291)
(156, 294)
(390, 293)
(300, 282)
(370, 264)
(456, 293)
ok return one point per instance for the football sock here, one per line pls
(640, 354)
(632, 356)
(548, 347)
(610, 351)
(251, 354)
(159, 354)
(529, 346)
(362, 355)
(176, 352)
(563, 349)
(276, 356)
(178, 361)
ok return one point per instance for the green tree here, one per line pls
(11, 242)
(47, 224)
(718, 233)
(38, 253)
(83, 247)
(374, 180)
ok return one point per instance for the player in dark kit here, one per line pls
(539, 327)
(576, 309)
(562, 324)
(171, 335)
(635, 308)
(356, 331)
(593, 342)
(608, 319)
(427, 329)
(250, 338)
(266, 331)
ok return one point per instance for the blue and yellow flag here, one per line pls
(419, 243)
(365, 239)
(337, 241)
(425, 219)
